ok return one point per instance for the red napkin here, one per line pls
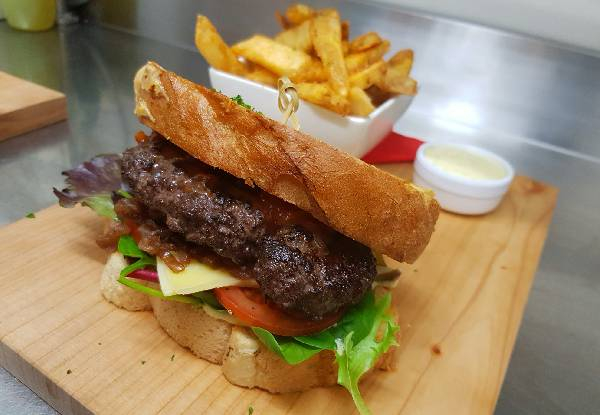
(394, 148)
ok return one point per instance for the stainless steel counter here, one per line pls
(535, 103)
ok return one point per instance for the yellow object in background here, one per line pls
(30, 15)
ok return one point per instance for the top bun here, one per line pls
(382, 211)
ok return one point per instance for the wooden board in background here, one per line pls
(25, 106)
(460, 307)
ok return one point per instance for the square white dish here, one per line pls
(352, 134)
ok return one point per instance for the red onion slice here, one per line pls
(144, 274)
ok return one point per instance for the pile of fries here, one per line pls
(314, 51)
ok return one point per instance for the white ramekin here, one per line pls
(457, 193)
(352, 134)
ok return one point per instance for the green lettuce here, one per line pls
(102, 205)
(209, 298)
(355, 359)
(290, 349)
(129, 248)
(363, 335)
(188, 299)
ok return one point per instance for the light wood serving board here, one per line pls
(460, 306)
(25, 106)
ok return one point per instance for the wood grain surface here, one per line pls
(460, 306)
(25, 106)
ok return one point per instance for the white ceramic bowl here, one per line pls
(352, 134)
(457, 193)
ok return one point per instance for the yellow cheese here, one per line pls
(194, 278)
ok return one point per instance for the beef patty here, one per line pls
(300, 264)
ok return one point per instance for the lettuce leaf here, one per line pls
(92, 184)
(158, 293)
(209, 298)
(365, 333)
(102, 205)
(359, 319)
(355, 359)
(129, 248)
(288, 348)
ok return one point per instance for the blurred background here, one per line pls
(575, 22)
(519, 77)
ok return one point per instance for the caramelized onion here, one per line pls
(111, 234)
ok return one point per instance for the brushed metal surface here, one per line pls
(536, 104)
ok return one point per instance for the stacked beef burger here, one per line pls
(302, 265)
(255, 245)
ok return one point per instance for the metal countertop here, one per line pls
(535, 103)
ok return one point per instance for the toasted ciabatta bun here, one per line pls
(246, 361)
(384, 212)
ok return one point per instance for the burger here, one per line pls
(256, 246)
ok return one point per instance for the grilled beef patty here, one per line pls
(300, 264)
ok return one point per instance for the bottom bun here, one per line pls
(245, 359)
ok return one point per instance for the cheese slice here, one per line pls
(194, 278)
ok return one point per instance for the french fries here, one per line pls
(345, 47)
(295, 15)
(344, 24)
(364, 42)
(402, 62)
(297, 37)
(315, 72)
(345, 30)
(378, 96)
(214, 49)
(326, 34)
(323, 94)
(315, 51)
(360, 103)
(373, 75)
(404, 86)
(396, 79)
(279, 59)
(262, 76)
(356, 62)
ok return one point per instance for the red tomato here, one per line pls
(249, 306)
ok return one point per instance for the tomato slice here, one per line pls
(249, 306)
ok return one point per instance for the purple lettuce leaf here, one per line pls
(92, 181)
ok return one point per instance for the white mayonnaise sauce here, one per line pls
(465, 163)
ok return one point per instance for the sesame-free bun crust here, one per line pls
(382, 211)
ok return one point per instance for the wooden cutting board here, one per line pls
(25, 106)
(460, 306)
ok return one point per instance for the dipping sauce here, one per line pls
(465, 163)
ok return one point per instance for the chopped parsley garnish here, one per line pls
(240, 101)
(30, 215)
